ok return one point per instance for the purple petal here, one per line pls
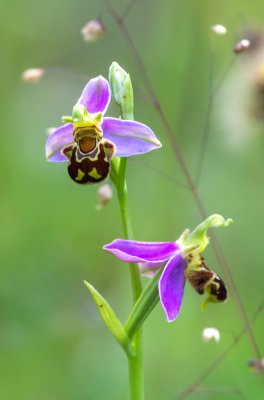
(96, 95)
(138, 252)
(130, 137)
(171, 286)
(60, 138)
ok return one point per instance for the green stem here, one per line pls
(135, 361)
(135, 366)
(127, 226)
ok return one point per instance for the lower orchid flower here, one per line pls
(88, 140)
(181, 259)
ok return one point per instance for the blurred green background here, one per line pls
(53, 344)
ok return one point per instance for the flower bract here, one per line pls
(89, 140)
(180, 260)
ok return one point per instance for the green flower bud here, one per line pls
(127, 100)
(122, 90)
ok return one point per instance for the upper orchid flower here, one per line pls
(183, 260)
(89, 140)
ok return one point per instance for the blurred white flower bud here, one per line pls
(219, 29)
(32, 74)
(241, 46)
(93, 30)
(105, 194)
(211, 334)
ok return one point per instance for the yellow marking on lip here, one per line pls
(94, 174)
(80, 175)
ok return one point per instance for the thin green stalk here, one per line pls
(127, 226)
(135, 366)
(135, 362)
(122, 91)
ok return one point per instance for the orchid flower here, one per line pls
(181, 259)
(89, 140)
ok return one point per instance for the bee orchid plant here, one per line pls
(93, 144)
